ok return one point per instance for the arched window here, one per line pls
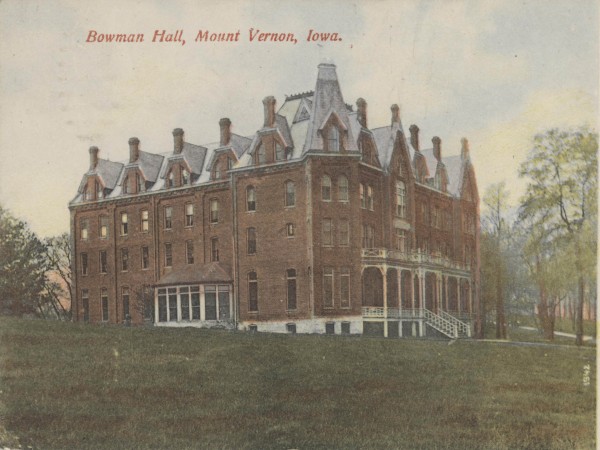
(251, 241)
(290, 193)
(333, 139)
(214, 210)
(252, 292)
(291, 289)
(400, 199)
(363, 199)
(185, 177)
(262, 154)
(325, 188)
(171, 179)
(343, 189)
(250, 198)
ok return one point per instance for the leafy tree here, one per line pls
(22, 266)
(560, 211)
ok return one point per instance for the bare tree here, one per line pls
(59, 279)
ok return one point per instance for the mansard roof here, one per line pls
(108, 171)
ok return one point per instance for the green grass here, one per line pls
(74, 386)
(560, 324)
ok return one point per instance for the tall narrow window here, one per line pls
(184, 297)
(214, 249)
(126, 185)
(84, 264)
(327, 235)
(189, 215)
(250, 198)
(185, 177)
(125, 302)
(279, 152)
(99, 191)
(171, 179)
(251, 241)
(400, 199)
(291, 289)
(291, 230)
(435, 216)
(342, 189)
(214, 210)
(252, 292)
(103, 262)
(344, 237)
(168, 217)
(333, 139)
(145, 258)
(139, 182)
(290, 193)
(218, 171)
(325, 188)
(370, 198)
(124, 224)
(363, 200)
(262, 154)
(103, 227)
(104, 304)
(189, 252)
(168, 254)
(328, 287)
(400, 240)
(85, 300)
(85, 226)
(144, 220)
(368, 236)
(345, 287)
(124, 259)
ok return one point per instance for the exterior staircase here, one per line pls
(463, 328)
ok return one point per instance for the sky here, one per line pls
(496, 72)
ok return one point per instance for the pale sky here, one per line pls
(496, 72)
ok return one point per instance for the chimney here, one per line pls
(437, 148)
(177, 141)
(269, 103)
(414, 137)
(225, 125)
(361, 108)
(93, 157)
(464, 152)
(134, 149)
(395, 114)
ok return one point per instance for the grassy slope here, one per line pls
(75, 386)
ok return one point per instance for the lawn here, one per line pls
(69, 385)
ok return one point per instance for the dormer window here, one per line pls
(126, 185)
(218, 170)
(333, 139)
(139, 182)
(279, 152)
(185, 177)
(171, 179)
(262, 155)
(99, 190)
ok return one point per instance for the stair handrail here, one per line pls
(462, 326)
(442, 325)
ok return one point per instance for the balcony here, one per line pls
(413, 257)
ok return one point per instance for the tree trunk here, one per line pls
(546, 320)
(579, 312)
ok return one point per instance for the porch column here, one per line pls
(458, 292)
(412, 289)
(385, 305)
(422, 288)
(399, 272)
(202, 303)
(156, 305)
(470, 297)
(445, 287)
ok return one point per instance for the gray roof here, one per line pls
(108, 171)
(194, 155)
(282, 125)
(454, 169)
(239, 144)
(150, 164)
(213, 272)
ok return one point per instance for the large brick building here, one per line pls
(315, 223)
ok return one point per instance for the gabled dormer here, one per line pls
(141, 172)
(273, 142)
(184, 166)
(334, 134)
(101, 178)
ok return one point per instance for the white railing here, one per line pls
(416, 257)
(461, 326)
(441, 324)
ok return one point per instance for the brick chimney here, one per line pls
(437, 148)
(134, 149)
(269, 103)
(414, 137)
(361, 108)
(395, 114)
(464, 152)
(225, 126)
(93, 157)
(177, 141)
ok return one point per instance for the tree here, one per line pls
(59, 282)
(22, 266)
(560, 209)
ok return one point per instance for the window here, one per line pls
(345, 288)
(333, 139)
(435, 217)
(185, 177)
(342, 189)
(325, 188)
(195, 294)
(370, 198)
(368, 237)
(104, 304)
(291, 289)
(144, 216)
(290, 193)
(124, 224)
(251, 241)
(171, 179)
(330, 328)
(125, 302)
(84, 264)
(214, 210)
(214, 249)
(124, 259)
(126, 185)
(168, 217)
(218, 171)
(103, 262)
(252, 292)
(400, 240)
(145, 258)
(345, 327)
(424, 214)
(139, 183)
(184, 298)
(328, 287)
(85, 301)
(84, 224)
(327, 237)
(168, 254)
(262, 155)
(363, 200)
(279, 152)
(172, 304)
(290, 328)
(103, 227)
(291, 230)
(400, 199)
(344, 237)
(189, 252)
(250, 198)
(99, 190)
(189, 215)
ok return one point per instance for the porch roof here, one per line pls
(213, 272)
